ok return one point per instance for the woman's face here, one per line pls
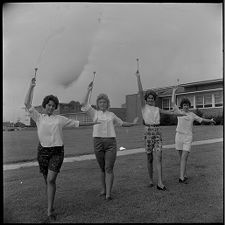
(102, 104)
(185, 107)
(50, 107)
(150, 100)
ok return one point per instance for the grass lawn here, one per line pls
(78, 185)
(20, 146)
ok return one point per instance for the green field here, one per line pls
(20, 146)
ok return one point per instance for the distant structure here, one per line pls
(207, 96)
(73, 110)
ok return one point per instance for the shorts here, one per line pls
(183, 142)
(153, 139)
(50, 158)
(105, 151)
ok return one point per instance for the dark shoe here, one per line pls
(150, 185)
(184, 181)
(108, 198)
(101, 194)
(161, 189)
(52, 218)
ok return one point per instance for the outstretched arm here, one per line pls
(140, 89)
(175, 113)
(29, 95)
(212, 121)
(128, 124)
(88, 123)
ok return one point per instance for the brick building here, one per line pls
(207, 96)
(72, 110)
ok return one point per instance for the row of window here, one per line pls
(199, 100)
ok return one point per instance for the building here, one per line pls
(207, 96)
(72, 110)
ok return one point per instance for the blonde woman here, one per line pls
(104, 138)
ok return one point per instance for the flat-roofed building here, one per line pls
(207, 96)
(72, 110)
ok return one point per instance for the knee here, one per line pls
(109, 170)
(159, 158)
(51, 180)
(150, 158)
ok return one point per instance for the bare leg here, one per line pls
(159, 167)
(103, 191)
(51, 189)
(109, 183)
(150, 167)
(110, 158)
(183, 163)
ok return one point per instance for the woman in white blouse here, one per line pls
(184, 133)
(51, 149)
(104, 136)
(153, 139)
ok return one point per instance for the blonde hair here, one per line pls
(105, 97)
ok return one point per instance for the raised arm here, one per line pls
(29, 95)
(173, 101)
(140, 89)
(86, 98)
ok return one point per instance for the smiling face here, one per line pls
(50, 107)
(150, 100)
(102, 104)
(185, 107)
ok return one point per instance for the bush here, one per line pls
(167, 120)
(218, 120)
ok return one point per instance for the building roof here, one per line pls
(202, 82)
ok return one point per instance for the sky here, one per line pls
(68, 42)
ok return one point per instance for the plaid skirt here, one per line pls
(153, 139)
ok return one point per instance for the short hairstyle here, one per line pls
(50, 98)
(150, 92)
(105, 97)
(185, 101)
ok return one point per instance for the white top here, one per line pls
(107, 119)
(185, 123)
(49, 128)
(151, 114)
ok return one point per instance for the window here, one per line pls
(199, 101)
(218, 96)
(207, 100)
(166, 103)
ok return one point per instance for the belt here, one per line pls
(151, 125)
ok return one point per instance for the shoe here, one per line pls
(161, 189)
(150, 185)
(184, 181)
(108, 198)
(101, 194)
(52, 218)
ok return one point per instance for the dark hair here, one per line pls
(150, 92)
(50, 98)
(185, 101)
(105, 97)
